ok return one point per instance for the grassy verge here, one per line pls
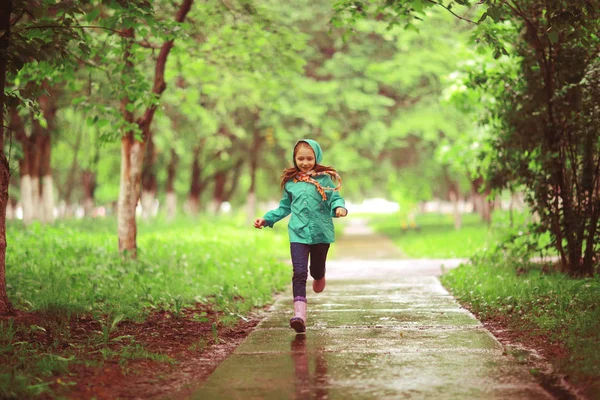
(71, 276)
(538, 305)
(434, 235)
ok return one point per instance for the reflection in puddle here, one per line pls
(308, 387)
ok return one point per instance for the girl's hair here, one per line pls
(291, 172)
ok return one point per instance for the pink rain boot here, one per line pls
(319, 285)
(298, 322)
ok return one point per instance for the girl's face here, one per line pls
(305, 158)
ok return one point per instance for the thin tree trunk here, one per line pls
(149, 185)
(219, 190)
(171, 200)
(254, 154)
(34, 169)
(47, 192)
(196, 187)
(5, 11)
(481, 203)
(486, 212)
(88, 182)
(453, 194)
(49, 108)
(235, 180)
(70, 182)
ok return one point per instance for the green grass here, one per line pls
(536, 303)
(435, 236)
(74, 269)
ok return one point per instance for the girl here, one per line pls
(310, 195)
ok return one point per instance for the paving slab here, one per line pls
(382, 329)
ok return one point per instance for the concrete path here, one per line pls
(382, 329)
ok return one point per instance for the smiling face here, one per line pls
(305, 157)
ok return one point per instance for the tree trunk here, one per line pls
(251, 199)
(196, 187)
(481, 203)
(49, 108)
(5, 10)
(149, 185)
(453, 194)
(67, 195)
(235, 180)
(34, 170)
(254, 154)
(47, 192)
(132, 154)
(171, 200)
(219, 190)
(88, 182)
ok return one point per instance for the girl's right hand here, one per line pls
(259, 223)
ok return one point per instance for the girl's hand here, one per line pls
(259, 223)
(341, 212)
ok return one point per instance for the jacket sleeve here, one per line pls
(284, 209)
(335, 199)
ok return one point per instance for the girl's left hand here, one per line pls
(341, 212)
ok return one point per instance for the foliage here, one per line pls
(364, 99)
(540, 140)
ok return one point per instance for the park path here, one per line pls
(384, 328)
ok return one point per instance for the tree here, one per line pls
(5, 12)
(545, 143)
(137, 136)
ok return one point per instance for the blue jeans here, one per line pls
(300, 253)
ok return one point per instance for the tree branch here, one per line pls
(161, 63)
(147, 45)
(452, 12)
(540, 47)
(18, 18)
(228, 6)
(27, 28)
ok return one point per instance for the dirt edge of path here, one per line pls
(192, 346)
(541, 358)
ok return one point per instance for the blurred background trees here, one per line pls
(411, 101)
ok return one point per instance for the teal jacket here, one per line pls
(312, 217)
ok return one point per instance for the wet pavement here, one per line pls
(382, 329)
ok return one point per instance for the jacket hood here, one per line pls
(316, 148)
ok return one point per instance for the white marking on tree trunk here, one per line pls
(171, 205)
(10, 211)
(88, 207)
(147, 200)
(251, 208)
(35, 198)
(47, 201)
